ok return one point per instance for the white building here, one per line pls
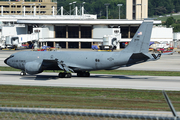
(176, 39)
(162, 34)
(77, 31)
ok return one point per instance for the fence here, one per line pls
(47, 113)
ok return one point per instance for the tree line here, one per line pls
(161, 7)
(97, 7)
(171, 22)
(155, 7)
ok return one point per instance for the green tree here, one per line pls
(178, 21)
(176, 27)
(170, 21)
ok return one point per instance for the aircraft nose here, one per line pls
(5, 61)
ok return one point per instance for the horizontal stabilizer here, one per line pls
(137, 58)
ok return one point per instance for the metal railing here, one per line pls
(21, 112)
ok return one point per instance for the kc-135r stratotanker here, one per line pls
(81, 62)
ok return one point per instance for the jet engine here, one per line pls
(33, 68)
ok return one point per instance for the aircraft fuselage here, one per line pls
(80, 61)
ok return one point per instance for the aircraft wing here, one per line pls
(168, 53)
(56, 65)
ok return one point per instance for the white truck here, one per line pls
(110, 36)
(110, 42)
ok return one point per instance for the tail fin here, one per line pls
(141, 40)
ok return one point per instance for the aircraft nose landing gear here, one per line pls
(65, 75)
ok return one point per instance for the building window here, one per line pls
(13, 11)
(73, 32)
(62, 44)
(86, 45)
(124, 32)
(60, 31)
(5, 11)
(6, 6)
(27, 6)
(134, 15)
(13, 6)
(73, 45)
(51, 44)
(133, 31)
(134, 2)
(86, 32)
(42, 6)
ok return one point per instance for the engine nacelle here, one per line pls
(33, 68)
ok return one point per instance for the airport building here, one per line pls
(78, 30)
(82, 33)
(28, 7)
(136, 9)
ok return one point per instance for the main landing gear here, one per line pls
(64, 75)
(83, 74)
(69, 75)
(22, 73)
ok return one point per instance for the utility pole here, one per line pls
(119, 5)
(70, 8)
(106, 4)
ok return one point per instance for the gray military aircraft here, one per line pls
(81, 62)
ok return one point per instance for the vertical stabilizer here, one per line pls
(141, 40)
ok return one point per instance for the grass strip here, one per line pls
(138, 72)
(115, 72)
(86, 98)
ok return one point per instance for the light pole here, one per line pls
(13, 7)
(22, 7)
(70, 8)
(139, 10)
(74, 6)
(106, 4)
(39, 8)
(144, 11)
(119, 5)
(83, 7)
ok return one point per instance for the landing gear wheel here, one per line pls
(69, 75)
(61, 75)
(83, 74)
(79, 74)
(22, 74)
(65, 75)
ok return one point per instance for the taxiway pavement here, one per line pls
(94, 81)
